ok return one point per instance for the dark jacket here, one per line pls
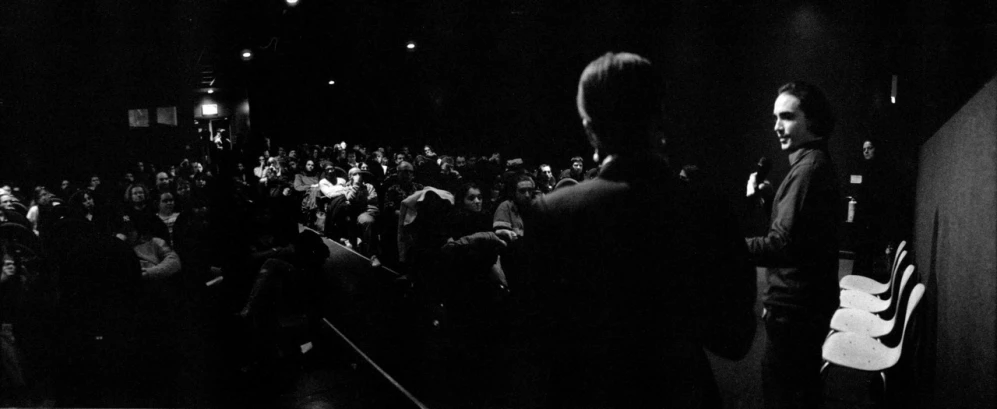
(801, 247)
(663, 274)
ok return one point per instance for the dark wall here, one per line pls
(956, 253)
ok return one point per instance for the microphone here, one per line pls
(763, 168)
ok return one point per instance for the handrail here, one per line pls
(356, 349)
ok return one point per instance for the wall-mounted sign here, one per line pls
(856, 179)
(209, 109)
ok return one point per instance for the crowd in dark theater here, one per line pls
(518, 204)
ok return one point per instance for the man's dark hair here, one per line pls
(815, 106)
(620, 93)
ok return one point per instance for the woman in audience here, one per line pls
(306, 184)
(139, 210)
(167, 211)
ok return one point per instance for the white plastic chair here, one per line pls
(867, 323)
(857, 351)
(871, 303)
(870, 286)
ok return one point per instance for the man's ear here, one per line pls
(593, 137)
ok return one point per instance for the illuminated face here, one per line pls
(472, 200)
(162, 180)
(576, 167)
(6, 200)
(428, 150)
(292, 154)
(461, 162)
(166, 203)
(868, 150)
(129, 177)
(138, 194)
(65, 184)
(399, 158)
(9, 268)
(310, 165)
(94, 182)
(198, 167)
(791, 123)
(88, 202)
(524, 192)
(545, 171)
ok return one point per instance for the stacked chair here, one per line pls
(868, 331)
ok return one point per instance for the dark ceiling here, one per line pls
(484, 75)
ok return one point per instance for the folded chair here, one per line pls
(857, 351)
(871, 303)
(869, 324)
(868, 285)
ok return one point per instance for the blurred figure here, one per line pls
(616, 341)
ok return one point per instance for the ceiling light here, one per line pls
(247, 55)
(410, 45)
(292, 2)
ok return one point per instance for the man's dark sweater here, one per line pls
(800, 250)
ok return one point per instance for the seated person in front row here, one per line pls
(508, 215)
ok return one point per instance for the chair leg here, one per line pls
(882, 374)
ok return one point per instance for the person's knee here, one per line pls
(365, 220)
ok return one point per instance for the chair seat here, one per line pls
(863, 284)
(861, 322)
(863, 301)
(860, 352)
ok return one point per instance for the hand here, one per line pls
(750, 190)
(507, 236)
(485, 240)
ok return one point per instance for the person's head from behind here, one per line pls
(469, 195)
(619, 102)
(803, 115)
(524, 191)
(406, 172)
(868, 149)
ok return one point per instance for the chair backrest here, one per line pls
(894, 285)
(897, 253)
(915, 298)
(896, 267)
(896, 303)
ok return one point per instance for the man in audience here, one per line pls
(406, 187)
(163, 182)
(800, 251)
(576, 171)
(509, 214)
(545, 179)
(636, 275)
